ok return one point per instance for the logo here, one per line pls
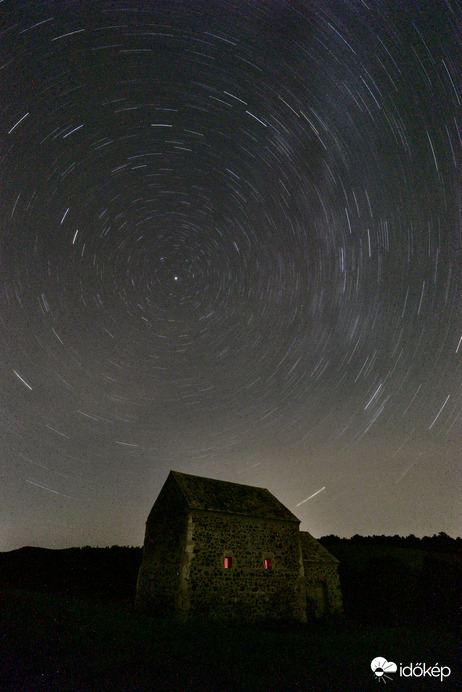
(381, 667)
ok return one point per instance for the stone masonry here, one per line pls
(219, 550)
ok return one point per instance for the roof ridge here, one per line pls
(215, 495)
(219, 480)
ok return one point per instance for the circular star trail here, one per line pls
(230, 245)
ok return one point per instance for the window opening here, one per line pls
(228, 562)
(268, 563)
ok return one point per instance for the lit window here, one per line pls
(268, 563)
(228, 562)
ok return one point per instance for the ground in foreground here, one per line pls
(52, 642)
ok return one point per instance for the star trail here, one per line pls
(230, 245)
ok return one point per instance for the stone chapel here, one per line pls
(219, 550)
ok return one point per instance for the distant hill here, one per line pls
(394, 580)
(103, 573)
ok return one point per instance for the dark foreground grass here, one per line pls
(50, 642)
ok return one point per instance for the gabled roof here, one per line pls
(211, 495)
(313, 550)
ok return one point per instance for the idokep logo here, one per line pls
(421, 670)
(381, 667)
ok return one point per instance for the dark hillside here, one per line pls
(103, 573)
(393, 580)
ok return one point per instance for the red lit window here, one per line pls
(228, 562)
(268, 564)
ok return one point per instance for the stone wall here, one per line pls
(246, 591)
(323, 592)
(157, 588)
(183, 570)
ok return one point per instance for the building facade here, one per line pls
(220, 550)
(322, 582)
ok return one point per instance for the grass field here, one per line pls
(54, 642)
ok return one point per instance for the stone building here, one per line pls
(322, 583)
(222, 550)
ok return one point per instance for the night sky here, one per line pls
(230, 245)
